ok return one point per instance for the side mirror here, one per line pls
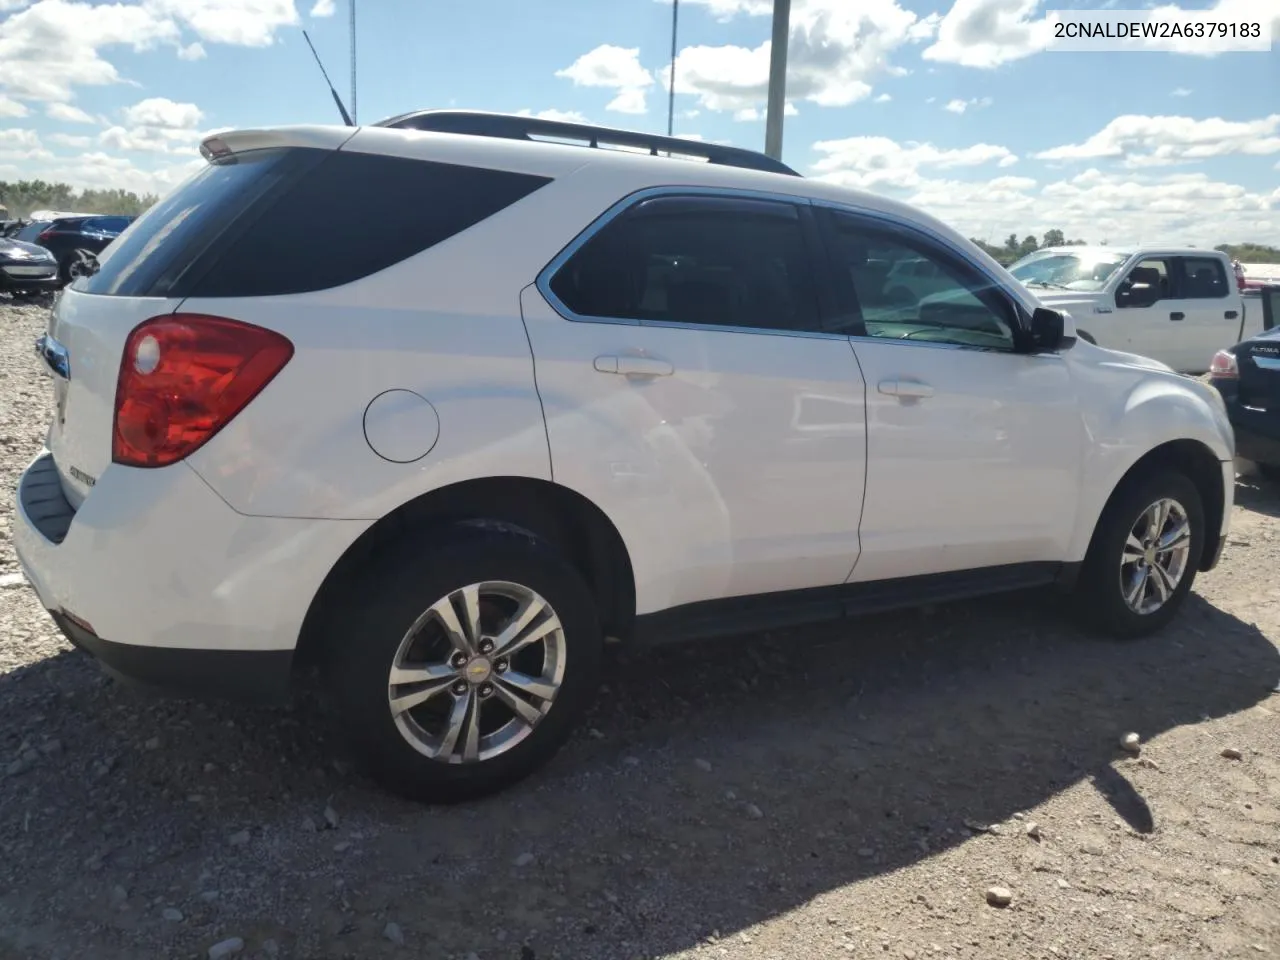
(1050, 332)
(1137, 295)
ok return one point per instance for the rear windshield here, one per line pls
(292, 220)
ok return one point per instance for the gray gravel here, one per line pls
(791, 796)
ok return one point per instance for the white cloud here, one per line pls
(51, 47)
(156, 125)
(67, 113)
(960, 106)
(78, 142)
(835, 49)
(12, 108)
(323, 8)
(987, 33)
(1180, 92)
(615, 68)
(1142, 141)
(1122, 208)
(883, 98)
(564, 116)
(866, 162)
(163, 112)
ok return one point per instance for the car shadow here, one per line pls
(712, 788)
(1257, 494)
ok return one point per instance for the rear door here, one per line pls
(1211, 309)
(691, 392)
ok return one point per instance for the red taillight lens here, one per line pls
(44, 237)
(183, 378)
(1223, 365)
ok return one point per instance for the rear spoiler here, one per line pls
(228, 143)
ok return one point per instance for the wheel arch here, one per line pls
(548, 510)
(1200, 464)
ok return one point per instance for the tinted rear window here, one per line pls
(283, 221)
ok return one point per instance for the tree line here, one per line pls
(1015, 249)
(22, 197)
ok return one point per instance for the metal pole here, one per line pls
(671, 92)
(353, 62)
(777, 79)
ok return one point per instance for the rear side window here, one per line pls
(283, 221)
(714, 261)
(1201, 278)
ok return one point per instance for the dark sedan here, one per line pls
(26, 269)
(1248, 377)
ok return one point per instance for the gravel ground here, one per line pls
(798, 796)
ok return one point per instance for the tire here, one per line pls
(1099, 591)
(394, 595)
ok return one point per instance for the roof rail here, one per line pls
(512, 127)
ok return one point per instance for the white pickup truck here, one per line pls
(1178, 306)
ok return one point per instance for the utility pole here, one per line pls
(671, 86)
(353, 61)
(777, 79)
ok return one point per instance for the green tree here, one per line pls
(22, 197)
(1054, 238)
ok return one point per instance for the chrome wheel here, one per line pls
(477, 672)
(1155, 556)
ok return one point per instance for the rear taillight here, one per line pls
(44, 237)
(183, 377)
(1223, 365)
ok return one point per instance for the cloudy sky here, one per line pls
(954, 105)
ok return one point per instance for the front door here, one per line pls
(689, 393)
(1153, 322)
(973, 450)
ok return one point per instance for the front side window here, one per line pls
(1146, 283)
(894, 283)
(1201, 278)
(718, 261)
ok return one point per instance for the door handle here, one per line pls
(907, 389)
(634, 366)
(1177, 315)
(1231, 314)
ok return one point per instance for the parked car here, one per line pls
(26, 269)
(1248, 377)
(593, 394)
(1173, 305)
(76, 241)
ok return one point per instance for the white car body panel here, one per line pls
(741, 473)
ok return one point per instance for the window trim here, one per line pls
(1021, 316)
(798, 203)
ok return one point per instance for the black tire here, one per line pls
(379, 608)
(1100, 598)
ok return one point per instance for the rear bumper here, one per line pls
(256, 676)
(166, 585)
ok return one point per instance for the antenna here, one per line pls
(346, 117)
(353, 58)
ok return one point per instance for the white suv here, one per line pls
(528, 396)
